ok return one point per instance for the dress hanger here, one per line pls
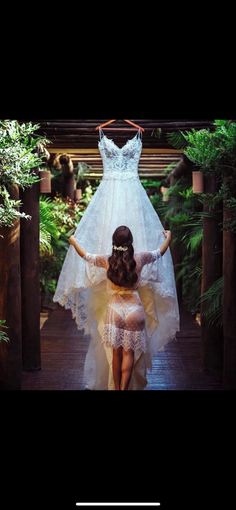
(136, 126)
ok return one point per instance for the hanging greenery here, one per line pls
(213, 151)
(3, 335)
(213, 297)
(176, 139)
(19, 156)
(59, 218)
(9, 209)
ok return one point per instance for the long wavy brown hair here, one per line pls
(122, 265)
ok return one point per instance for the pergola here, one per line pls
(19, 254)
(79, 140)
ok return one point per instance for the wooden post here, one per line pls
(63, 163)
(10, 304)
(30, 283)
(229, 303)
(176, 251)
(68, 174)
(212, 336)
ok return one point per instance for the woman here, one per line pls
(124, 324)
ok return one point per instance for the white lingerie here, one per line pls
(124, 324)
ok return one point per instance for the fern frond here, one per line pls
(213, 298)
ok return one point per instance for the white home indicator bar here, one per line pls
(118, 504)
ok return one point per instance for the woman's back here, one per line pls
(141, 259)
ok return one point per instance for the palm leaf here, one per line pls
(213, 298)
(3, 335)
(195, 240)
(48, 228)
(176, 139)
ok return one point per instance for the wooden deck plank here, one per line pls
(63, 351)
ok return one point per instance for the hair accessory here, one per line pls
(120, 248)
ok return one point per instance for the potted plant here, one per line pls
(204, 150)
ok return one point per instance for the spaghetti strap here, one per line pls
(139, 134)
(101, 134)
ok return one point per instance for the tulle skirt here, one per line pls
(82, 287)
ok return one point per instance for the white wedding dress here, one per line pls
(120, 199)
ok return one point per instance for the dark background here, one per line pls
(61, 447)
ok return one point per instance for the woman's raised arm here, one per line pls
(166, 243)
(77, 247)
(92, 258)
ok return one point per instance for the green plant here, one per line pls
(81, 170)
(58, 220)
(3, 335)
(213, 151)
(87, 195)
(148, 183)
(18, 159)
(9, 209)
(176, 139)
(182, 215)
(48, 228)
(213, 298)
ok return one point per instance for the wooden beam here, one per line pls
(146, 123)
(70, 151)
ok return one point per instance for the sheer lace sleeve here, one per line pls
(146, 257)
(96, 260)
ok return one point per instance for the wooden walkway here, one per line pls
(179, 367)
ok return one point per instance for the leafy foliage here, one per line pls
(58, 220)
(9, 209)
(18, 159)
(3, 335)
(213, 151)
(48, 227)
(177, 139)
(213, 297)
(148, 183)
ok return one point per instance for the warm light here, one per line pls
(165, 195)
(197, 182)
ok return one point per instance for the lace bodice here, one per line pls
(120, 162)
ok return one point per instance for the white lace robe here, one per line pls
(124, 324)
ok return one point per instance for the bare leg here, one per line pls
(123, 361)
(116, 366)
(126, 368)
